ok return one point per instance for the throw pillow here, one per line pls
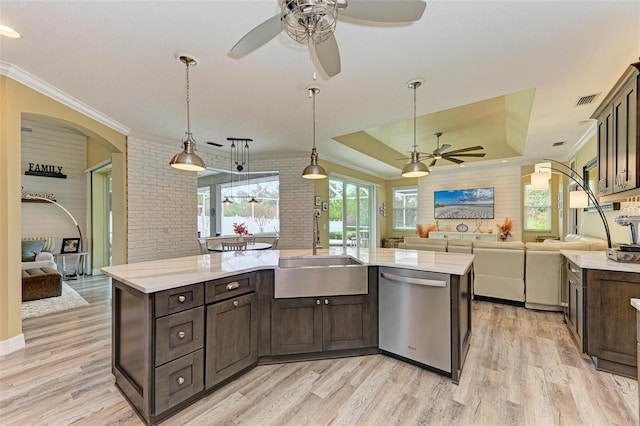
(30, 249)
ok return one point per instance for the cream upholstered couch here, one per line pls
(43, 259)
(429, 244)
(543, 272)
(499, 270)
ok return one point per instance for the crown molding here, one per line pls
(21, 76)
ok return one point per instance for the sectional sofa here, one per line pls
(513, 271)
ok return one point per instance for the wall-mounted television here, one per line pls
(475, 203)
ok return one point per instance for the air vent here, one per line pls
(25, 129)
(586, 100)
(559, 143)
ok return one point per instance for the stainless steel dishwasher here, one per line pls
(415, 316)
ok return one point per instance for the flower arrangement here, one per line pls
(423, 231)
(505, 229)
(240, 229)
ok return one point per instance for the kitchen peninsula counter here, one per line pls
(600, 316)
(165, 274)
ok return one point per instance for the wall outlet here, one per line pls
(317, 212)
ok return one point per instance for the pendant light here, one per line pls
(227, 200)
(187, 159)
(246, 146)
(415, 168)
(314, 170)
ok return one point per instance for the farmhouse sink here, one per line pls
(315, 276)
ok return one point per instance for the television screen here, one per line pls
(474, 203)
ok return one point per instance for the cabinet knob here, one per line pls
(181, 334)
(181, 298)
(180, 380)
(326, 301)
(233, 285)
(236, 303)
(317, 301)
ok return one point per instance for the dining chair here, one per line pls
(234, 246)
(274, 245)
(203, 246)
(249, 240)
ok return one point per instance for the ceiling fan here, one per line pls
(314, 21)
(440, 153)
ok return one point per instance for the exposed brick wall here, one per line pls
(162, 201)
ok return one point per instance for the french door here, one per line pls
(350, 213)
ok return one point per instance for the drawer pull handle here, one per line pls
(180, 380)
(326, 301)
(181, 334)
(317, 301)
(181, 298)
(236, 303)
(233, 285)
(575, 271)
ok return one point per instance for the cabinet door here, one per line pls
(624, 139)
(232, 337)
(605, 153)
(575, 318)
(346, 322)
(296, 326)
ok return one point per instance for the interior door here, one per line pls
(350, 217)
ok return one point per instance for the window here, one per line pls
(405, 208)
(204, 211)
(537, 209)
(260, 218)
(350, 212)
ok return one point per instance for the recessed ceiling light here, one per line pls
(9, 32)
(504, 161)
(462, 165)
(560, 143)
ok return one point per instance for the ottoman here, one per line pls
(39, 283)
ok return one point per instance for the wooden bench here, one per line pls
(40, 283)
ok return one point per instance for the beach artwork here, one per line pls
(474, 203)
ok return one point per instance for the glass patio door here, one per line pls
(350, 207)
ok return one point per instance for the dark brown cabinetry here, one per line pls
(315, 324)
(600, 317)
(611, 331)
(618, 137)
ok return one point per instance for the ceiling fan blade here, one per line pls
(433, 163)
(385, 10)
(213, 143)
(453, 160)
(328, 56)
(472, 148)
(258, 36)
(443, 148)
(465, 155)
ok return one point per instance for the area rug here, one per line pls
(69, 299)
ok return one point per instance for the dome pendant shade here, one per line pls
(227, 201)
(187, 159)
(415, 168)
(314, 170)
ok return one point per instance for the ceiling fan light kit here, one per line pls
(187, 159)
(314, 170)
(415, 168)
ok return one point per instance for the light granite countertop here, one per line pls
(598, 260)
(158, 275)
(635, 303)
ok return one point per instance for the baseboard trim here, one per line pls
(496, 300)
(12, 345)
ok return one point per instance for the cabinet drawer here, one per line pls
(179, 334)
(178, 380)
(178, 299)
(226, 288)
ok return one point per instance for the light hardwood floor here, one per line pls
(522, 369)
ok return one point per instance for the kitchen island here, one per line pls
(185, 327)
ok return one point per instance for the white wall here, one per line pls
(53, 145)
(162, 201)
(507, 195)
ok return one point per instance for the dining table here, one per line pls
(254, 246)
